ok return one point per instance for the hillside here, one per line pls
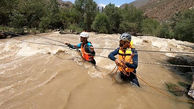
(162, 9)
(65, 4)
(140, 3)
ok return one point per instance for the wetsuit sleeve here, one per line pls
(73, 46)
(135, 60)
(112, 54)
(79, 45)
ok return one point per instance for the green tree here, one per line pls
(6, 8)
(88, 10)
(165, 31)
(114, 17)
(33, 10)
(52, 18)
(150, 26)
(18, 20)
(128, 27)
(184, 28)
(101, 23)
(131, 19)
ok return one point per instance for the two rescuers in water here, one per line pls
(127, 61)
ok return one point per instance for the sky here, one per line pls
(105, 2)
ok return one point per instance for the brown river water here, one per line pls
(36, 74)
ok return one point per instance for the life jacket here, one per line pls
(131, 44)
(127, 57)
(86, 56)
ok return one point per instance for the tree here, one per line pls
(6, 8)
(88, 10)
(128, 27)
(165, 31)
(33, 10)
(131, 19)
(184, 28)
(101, 23)
(18, 20)
(150, 27)
(114, 17)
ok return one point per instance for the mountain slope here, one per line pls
(65, 4)
(139, 3)
(162, 9)
(165, 9)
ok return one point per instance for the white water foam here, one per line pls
(33, 49)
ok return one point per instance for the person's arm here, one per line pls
(135, 60)
(112, 54)
(73, 46)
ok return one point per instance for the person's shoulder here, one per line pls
(79, 45)
(117, 49)
(133, 50)
(89, 44)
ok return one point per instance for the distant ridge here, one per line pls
(162, 9)
(65, 4)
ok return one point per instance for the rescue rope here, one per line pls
(149, 63)
(139, 50)
(155, 63)
(172, 65)
(42, 43)
(112, 72)
(157, 89)
(161, 91)
(53, 40)
(153, 51)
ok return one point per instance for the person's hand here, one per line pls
(132, 54)
(91, 49)
(67, 44)
(117, 61)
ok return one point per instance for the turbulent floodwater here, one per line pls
(35, 73)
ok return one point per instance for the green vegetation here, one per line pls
(185, 85)
(184, 71)
(192, 106)
(101, 24)
(43, 15)
(175, 89)
(114, 17)
(184, 27)
(150, 27)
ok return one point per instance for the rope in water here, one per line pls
(139, 50)
(155, 63)
(150, 63)
(155, 88)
